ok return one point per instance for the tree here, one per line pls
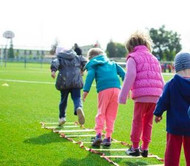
(111, 49)
(115, 49)
(11, 50)
(166, 43)
(120, 50)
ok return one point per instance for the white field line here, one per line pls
(31, 82)
(113, 142)
(56, 123)
(75, 131)
(149, 156)
(153, 165)
(120, 150)
(55, 127)
(52, 127)
(168, 74)
(74, 136)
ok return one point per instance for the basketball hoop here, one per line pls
(8, 34)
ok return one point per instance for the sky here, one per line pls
(39, 23)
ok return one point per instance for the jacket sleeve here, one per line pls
(163, 103)
(89, 79)
(120, 71)
(128, 81)
(55, 65)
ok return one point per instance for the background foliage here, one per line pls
(166, 43)
(115, 50)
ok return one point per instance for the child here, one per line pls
(176, 101)
(69, 80)
(77, 49)
(105, 73)
(144, 79)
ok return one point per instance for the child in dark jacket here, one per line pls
(176, 101)
(69, 80)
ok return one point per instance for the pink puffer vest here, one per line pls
(148, 80)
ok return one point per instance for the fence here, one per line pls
(26, 61)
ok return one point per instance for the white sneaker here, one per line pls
(80, 115)
(62, 121)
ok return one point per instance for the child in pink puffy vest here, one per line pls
(144, 79)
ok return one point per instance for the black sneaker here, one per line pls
(97, 141)
(143, 153)
(106, 142)
(133, 152)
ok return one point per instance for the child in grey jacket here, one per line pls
(69, 80)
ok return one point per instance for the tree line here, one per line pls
(166, 44)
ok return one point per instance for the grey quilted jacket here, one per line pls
(69, 65)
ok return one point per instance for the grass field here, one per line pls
(30, 98)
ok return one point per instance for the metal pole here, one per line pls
(25, 61)
(5, 55)
(1, 55)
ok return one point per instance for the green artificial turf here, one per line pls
(30, 98)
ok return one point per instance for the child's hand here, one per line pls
(53, 75)
(121, 100)
(84, 96)
(158, 119)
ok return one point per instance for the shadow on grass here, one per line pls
(45, 139)
(91, 159)
(129, 163)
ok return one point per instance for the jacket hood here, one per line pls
(68, 54)
(97, 60)
(183, 85)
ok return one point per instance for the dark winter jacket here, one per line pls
(69, 65)
(176, 101)
(78, 51)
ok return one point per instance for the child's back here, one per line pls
(69, 80)
(105, 74)
(176, 101)
(144, 79)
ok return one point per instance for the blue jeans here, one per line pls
(76, 97)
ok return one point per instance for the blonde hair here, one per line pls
(94, 52)
(138, 38)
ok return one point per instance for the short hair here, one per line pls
(94, 52)
(138, 38)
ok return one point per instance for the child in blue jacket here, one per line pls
(105, 73)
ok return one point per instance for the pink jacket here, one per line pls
(148, 81)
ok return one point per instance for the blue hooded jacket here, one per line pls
(105, 73)
(176, 101)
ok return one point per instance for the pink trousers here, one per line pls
(107, 110)
(142, 124)
(173, 149)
